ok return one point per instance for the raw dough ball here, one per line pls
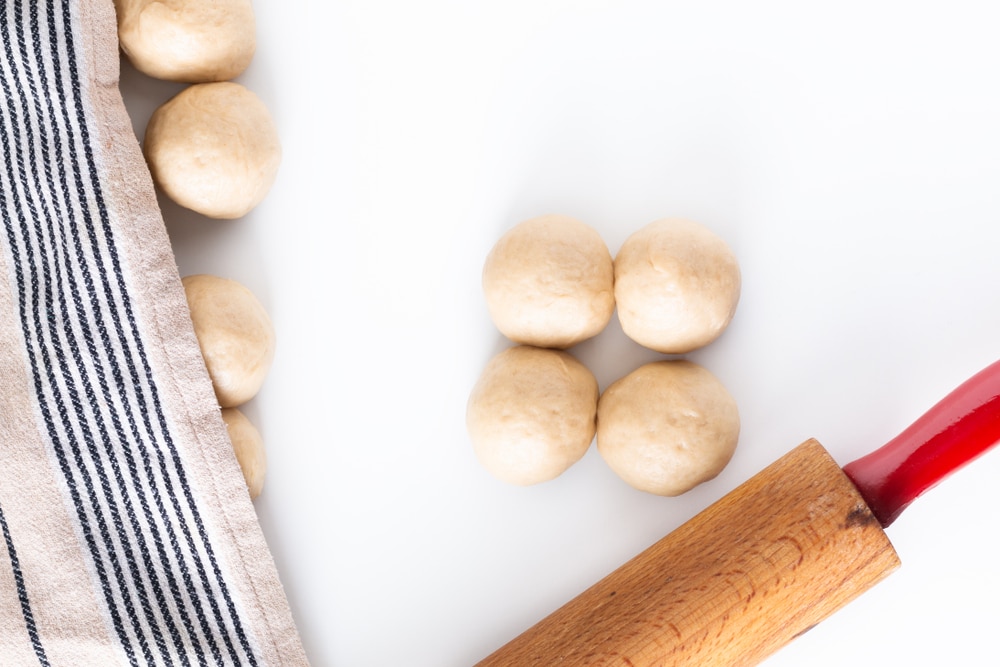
(249, 449)
(187, 40)
(676, 285)
(667, 427)
(235, 336)
(549, 282)
(531, 414)
(213, 148)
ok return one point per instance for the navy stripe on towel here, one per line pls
(22, 594)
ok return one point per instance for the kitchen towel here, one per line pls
(128, 536)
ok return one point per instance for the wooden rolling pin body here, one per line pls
(734, 584)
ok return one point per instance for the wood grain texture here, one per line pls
(734, 584)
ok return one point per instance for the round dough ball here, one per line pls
(213, 148)
(191, 41)
(676, 285)
(549, 282)
(667, 427)
(249, 449)
(531, 414)
(235, 335)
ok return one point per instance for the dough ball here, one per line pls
(676, 286)
(249, 449)
(667, 427)
(235, 336)
(190, 41)
(549, 282)
(213, 148)
(531, 414)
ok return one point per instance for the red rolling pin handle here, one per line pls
(959, 428)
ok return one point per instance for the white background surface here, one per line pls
(850, 155)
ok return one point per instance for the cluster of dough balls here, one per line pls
(212, 148)
(550, 282)
(237, 342)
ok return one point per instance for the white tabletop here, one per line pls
(850, 155)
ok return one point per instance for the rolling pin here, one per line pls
(768, 561)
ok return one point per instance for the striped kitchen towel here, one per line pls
(128, 537)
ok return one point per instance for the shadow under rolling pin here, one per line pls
(768, 561)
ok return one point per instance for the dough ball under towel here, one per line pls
(531, 414)
(234, 333)
(213, 148)
(666, 427)
(191, 41)
(549, 282)
(677, 285)
(248, 445)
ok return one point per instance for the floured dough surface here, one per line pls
(213, 148)
(677, 285)
(234, 333)
(667, 427)
(190, 41)
(531, 414)
(248, 445)
(549, 282)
